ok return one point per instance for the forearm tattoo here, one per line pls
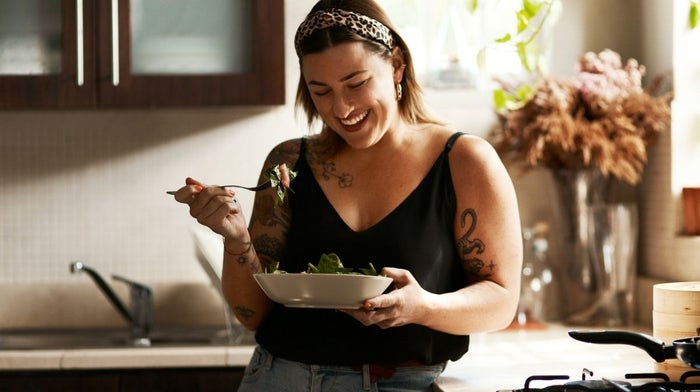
(470, 249)
(268, 214)
(268, 249)
(249, 256)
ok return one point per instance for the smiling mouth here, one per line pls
(354, 120)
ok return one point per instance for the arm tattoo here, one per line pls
(243, 312)
(470, 249)
(268, 249)
(254, 268)
(268, 214)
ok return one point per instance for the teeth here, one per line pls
(354, 120)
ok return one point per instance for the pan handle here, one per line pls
(653, 346)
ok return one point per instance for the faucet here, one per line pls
(140, 318)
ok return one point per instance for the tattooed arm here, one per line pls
(488, 239)
(267, 230)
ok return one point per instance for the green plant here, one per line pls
(693, 14)
(531, 19)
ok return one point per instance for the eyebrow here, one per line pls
(343, 79)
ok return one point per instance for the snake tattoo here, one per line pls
(471, 248)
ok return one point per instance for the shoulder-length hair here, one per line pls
(411, 106)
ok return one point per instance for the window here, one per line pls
(454, 46)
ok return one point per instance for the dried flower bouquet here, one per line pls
(600, 118)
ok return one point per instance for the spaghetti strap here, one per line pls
(451, 141)
(302, 147)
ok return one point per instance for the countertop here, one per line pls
(495, 361)
(504, 359)
(124, 358)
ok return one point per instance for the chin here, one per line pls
(361, 139)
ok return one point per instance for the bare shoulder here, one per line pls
(285, 152)
(473, 155)
(478, 172)
(473, 149)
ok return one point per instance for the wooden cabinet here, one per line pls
(141, 53)
(123, 380)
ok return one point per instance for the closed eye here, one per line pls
(360, 84)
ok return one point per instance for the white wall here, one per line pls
(90, 185)
(669, 255)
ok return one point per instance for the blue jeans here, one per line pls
(268, 373)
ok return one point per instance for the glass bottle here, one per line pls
(536, 275)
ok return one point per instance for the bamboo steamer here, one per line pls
(675, 315)
(677, 298)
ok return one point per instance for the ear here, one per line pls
(399, 64)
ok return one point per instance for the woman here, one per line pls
(384, 183)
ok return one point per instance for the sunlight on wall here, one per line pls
(445, 38)
(686, 111)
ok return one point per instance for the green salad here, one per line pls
(328, 264)
(280, 178)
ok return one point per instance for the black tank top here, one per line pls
(418, 236)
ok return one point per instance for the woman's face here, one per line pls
(353, 91)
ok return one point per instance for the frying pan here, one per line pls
(687, 350)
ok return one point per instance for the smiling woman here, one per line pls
(384, 182)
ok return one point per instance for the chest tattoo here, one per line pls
(329, 172)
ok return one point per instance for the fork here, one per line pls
(256, 188)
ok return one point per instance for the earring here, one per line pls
(399, 91)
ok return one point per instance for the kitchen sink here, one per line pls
(75, 338)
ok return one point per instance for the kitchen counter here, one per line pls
(495, 361)
(503, 360)
(125, 358)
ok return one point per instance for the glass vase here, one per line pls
(599, 243)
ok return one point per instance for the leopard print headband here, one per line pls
(357, 23)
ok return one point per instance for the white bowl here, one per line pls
(329, 291)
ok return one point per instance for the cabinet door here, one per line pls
(190, 53)
(47, 54)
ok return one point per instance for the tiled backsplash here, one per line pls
(90, 186)
(81, 304)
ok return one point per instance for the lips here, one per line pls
(354, 123)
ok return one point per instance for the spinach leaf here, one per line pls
(328, 264)
(275, 176)
(370, 271)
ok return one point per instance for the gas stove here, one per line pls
(632, 382)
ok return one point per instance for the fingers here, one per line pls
(189, 192)
(397, 274)
(383, 301)
(398, 307)
(382, 317)
(213, 204)
(208, 204)
(192, 181)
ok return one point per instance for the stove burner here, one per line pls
(657, 382)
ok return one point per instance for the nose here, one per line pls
(342, 106)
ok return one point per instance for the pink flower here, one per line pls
(602, 81)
